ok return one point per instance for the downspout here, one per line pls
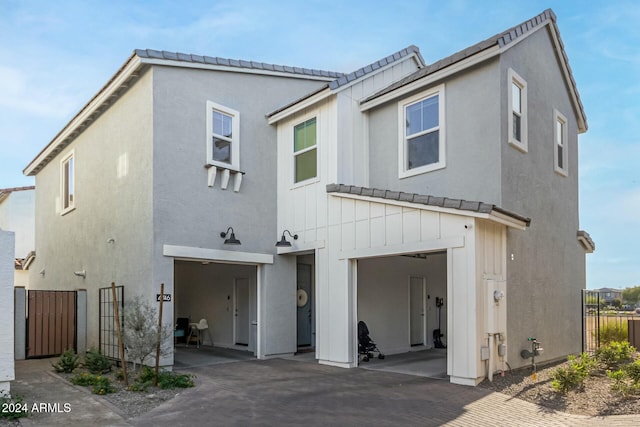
(490, 370)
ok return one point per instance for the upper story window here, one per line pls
(67, 185)
(422, 137)
(223, 136)
(517, 120)
(560, 143)
(305, 151)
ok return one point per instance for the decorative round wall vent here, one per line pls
(302, 297)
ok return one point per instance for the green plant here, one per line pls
(102, 386)
(68, 362)
(565, 379)
(615, 353)
(140, 332)
(12, 409)
(611, 331)
(99, 384)
(166, 380)
(573, 376)
(96, 362)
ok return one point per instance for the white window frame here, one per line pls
(234, 140)
(67, 185)
(298, 122)
(560, 140)
(403, 170)
(514, 78)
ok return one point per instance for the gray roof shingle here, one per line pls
(235, 63)
(360, 72)
(423, 199)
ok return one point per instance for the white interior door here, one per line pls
(417, 327)
(241, 313)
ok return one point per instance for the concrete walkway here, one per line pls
(292, 392)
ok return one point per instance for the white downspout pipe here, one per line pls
(490, 369)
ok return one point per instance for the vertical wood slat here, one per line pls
(52, 317)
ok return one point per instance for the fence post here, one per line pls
(120, 345)
(159, 334)
(20, 323)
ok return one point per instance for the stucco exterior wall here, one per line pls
(472, 135)
(188, 212)
(7, 364)
(113, 200)
(545, 264)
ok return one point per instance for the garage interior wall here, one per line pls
(207, 291)
(383, 297)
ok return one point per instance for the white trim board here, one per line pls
(215, 255)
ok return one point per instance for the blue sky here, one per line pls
(55, 55)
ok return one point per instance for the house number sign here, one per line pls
(165, 297)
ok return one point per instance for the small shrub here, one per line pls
(633, 371)
(573, 376)
(166, 380)
(68, 362)
(96, 362)
(612, 332)
(83, 379)
(615, 353)
(99, 384)
(12, 409)
(102, 386)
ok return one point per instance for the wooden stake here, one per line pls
(159, 334)
(116, 314)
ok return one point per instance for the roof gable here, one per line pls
(485, 49)
(133, 68)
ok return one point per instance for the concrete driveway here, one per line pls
(282, 392)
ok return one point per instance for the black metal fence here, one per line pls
(108, 336)
(602, 323)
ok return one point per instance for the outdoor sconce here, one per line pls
(284, 243)
(82, 273)
(230, 238)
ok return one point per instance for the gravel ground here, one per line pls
(594, 398)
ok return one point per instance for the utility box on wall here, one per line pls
(7, 263)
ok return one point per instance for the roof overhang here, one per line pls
(124, 78)
(586, 241)
(422, 202)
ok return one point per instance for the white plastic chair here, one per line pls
(203, 326)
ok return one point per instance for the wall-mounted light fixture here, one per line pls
(81, 273)
(230, 238)
(284, 243)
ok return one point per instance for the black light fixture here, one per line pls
(231, 240)
(283, 243)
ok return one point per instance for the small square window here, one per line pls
(305, 151)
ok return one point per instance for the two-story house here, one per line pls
(447, 200)
(416, 197)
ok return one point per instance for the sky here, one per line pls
(55, 55)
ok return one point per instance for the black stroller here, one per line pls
(366, 346)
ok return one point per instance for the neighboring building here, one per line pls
(7, 364)
(607, 295)
(17, 213)
(417, 198)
